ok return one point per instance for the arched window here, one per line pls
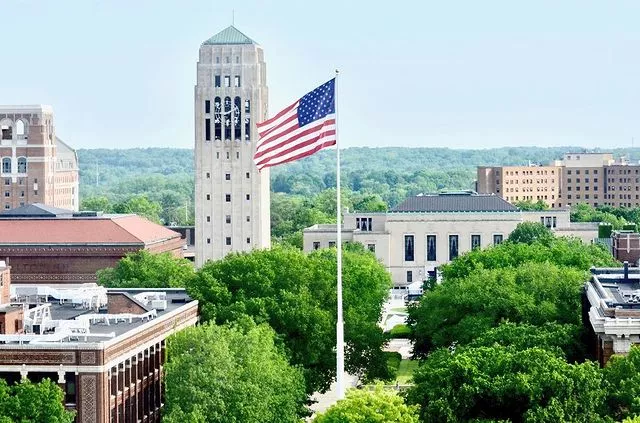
(237, 119)
(22, 165)
(247, 120)
(20, 129)
(7, 130)
(6, 165)
(227, 118)
(217, 119)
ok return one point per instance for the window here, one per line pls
(555, 221)
(248, 218)
(217, 79)
(6, 165)
(475, 241)
(227, 81)
(237, 153)
(7, 181)
(217, 59)
(217, 154)
(207, 106)
(21, 193)
(226, 59)
(7, 194)
(371, 247)
(248, 240)
(7, 132)
(237, 120)
(332, 244)
(227, 240)
(248, 196)
(208, 196)
(227, 155)
(227, 176)
(227, 198)
(248, 175)
(453, 247)
(208, 218)
(431, 248)
(7, 206)
(217, 118)
(409, 276)
(208, 240)
(316, 245)
(227, 118)
(20, 128)
(236, 81)
(35, 192)
(208, 175)
(237, 59)
(207, 129)
(408, 247)
(497, 239)
(227, 218)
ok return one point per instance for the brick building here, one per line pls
(35, 165)
(625, 246)
(46, 245)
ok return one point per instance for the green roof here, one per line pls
(229, 35)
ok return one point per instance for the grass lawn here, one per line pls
(405, 371)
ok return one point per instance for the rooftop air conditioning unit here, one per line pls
(159, 304)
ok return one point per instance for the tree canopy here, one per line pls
(530, 232)
(231, 375)
(33, 402)
(143, 269)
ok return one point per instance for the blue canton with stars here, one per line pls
(317, 104)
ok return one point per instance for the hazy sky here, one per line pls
(474, 74)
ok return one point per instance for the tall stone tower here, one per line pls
(232, 198)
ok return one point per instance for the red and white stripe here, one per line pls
(282, 140)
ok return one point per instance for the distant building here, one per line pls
(35, 165)
(47, 245)
(232, 198)
(104, 348)
(592, 178)
(426, 231)
(625, 246)
(611, 311)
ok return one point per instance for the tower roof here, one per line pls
(230, 35)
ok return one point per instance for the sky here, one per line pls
(459, 74)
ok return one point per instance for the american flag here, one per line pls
(298, 131)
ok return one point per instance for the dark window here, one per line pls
(372, 247)
(22, 165)
(248, 175)
(316, 245)
(208, 240)
(208, 175)
(227, 218)
(431, 248)
(237, 154)
(207, 129)
(227, 176)
(332, 244)
(237, 119)
(216, 80)
(475, 241)
(208, 218)
(227, 155)
(227, 198)
(207, 106)
(6, 165)
(217, 118)
(227, 118)
(408, 247)
(409, 276)
(453, 246)
(248, 196)
(228, 240)
(248, 240)
(208, 196)
(248, 218)
(497, 239)
(7, 181)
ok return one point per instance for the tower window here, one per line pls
(248, 218)
(248, 196)
(208, 218)
(208, 240)
(216, 81)
(207, 106)
(227, 176)
(227, 218)
(237, 119)
(208, 175)
(217, 118)
(227, 117)
(227, 155)
(217, 59)
(207, 129)
(248, 175)
(226, 59)
(208, 196)
(7, 194)
(7, 181)
(248, 240)
(227, 81)
(237, 154)
(228, 240)
(217, 154)
(236, 81)
(6, 165)
(237, 59)
(227, 198)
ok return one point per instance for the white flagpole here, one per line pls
(340, 323)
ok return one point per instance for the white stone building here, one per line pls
(426, 231)
(232, 197)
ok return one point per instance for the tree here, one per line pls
(530, 232)
(141, 206)
(232, 375)
(365, 406)
(295, 294)
(458, 310)
(100, 203)
(530, 205)
(33, 402)
(143, 269)
(504, 384)
(622, 384)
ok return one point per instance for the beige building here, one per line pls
(35, 165)
(593, 178)
(426, 231)
(232, 197)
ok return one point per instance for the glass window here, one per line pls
(207, 106)
(6, 165)
(227, 218)
(248, 240)
(316, 245)
(216, 80)
(217, 119)
(372, 247)
(475, 241)
(453, 246)
(431, 248)
(227, 176)
(228, 240)
(408, 248)
(227, 198)
(236, 81)
(497, 239)
(409, 276)
(227, 81)
(332, 244)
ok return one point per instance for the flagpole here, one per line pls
(340, 322)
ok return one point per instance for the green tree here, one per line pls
(100, 203)
(365, 406)
(231, 375)
(295, 293)
(458, 310)
(143, 269)
(530, 232)
(530, 205)
(33, 402)
(504, 384)
(141, 206)
(622, 384)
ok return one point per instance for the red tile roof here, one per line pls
(123, 229)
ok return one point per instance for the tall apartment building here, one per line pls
(35, 165)
(593, 178)
(232, 196)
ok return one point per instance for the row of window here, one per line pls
(586, 196)
(586, 171)
(621, 171)
(227, 219)
(227, 240)
(227, 59)
(8, 193)
(217, 79)
(6, 165)
(227, 176)
(7, 181)
(6, 130)
(229, 117)
(332, 244)
(526, 172)
(227, 197)
(364, 224)
(476, 242)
